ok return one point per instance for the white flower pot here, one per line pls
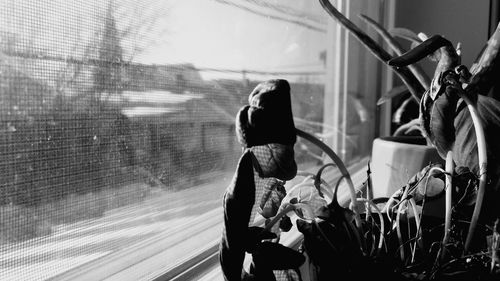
(395, 160)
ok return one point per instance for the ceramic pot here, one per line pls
(396, 159)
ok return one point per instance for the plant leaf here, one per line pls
(376, 49)
(405, 34)
(409, 127)
(417, 71)
(394, 92)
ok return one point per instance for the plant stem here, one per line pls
(396, 47)
(345, 173)
(398, 226)
(448, 188)
(381, 218)
(388, 207)
(342, 168)
(483, 162)
(417, 224)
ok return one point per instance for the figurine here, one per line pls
(266, 130)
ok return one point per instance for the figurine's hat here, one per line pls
(268, 117)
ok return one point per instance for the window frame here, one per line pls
(344, 67)
(349, 61)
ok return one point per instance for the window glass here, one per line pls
(117, 134)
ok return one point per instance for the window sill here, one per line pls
(208, 269)
(153, 257)
(164, 257)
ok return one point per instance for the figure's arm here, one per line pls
(237, 204)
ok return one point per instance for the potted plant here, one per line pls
(395, 238)
(406, 151)
(457, 119)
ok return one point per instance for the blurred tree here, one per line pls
(107, 73)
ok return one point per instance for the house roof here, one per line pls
(158, 106)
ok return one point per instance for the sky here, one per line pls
(211, 34)
(206, 33)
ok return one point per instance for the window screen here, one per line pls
(117, 122)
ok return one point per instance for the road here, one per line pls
(165, 215)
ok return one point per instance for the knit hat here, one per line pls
(268, 117)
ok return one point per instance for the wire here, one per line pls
(100, 62)
(311, 64)
(274, 17)
(287, 10)
(261, 72)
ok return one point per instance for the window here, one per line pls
(117, 122)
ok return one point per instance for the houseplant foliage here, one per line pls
(460, 122)
(392, 238)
